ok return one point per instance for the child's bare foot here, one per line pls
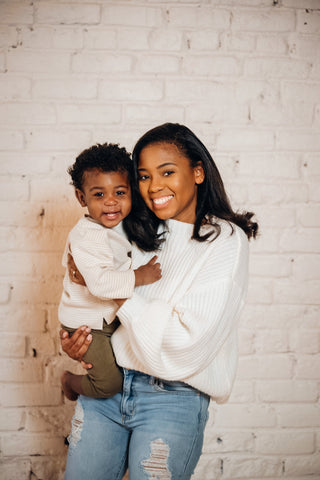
(67, 390)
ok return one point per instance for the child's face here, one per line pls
(107, 196)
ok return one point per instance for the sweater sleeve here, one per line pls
(177, 340)
(95, 261)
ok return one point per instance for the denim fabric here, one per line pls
(154, 427)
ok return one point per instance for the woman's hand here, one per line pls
(74, 274)
(77, 345)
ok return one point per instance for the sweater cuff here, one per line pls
(132, 308)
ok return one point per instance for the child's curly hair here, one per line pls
(108, 157)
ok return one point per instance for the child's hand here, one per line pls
(148, 273)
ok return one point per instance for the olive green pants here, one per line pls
(104, 379)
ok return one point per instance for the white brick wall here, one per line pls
(245, 76)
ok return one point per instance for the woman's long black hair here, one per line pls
(212, 200)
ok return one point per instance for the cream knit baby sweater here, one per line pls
(184, 326)
(103, 257)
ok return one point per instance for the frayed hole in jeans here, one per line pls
(156, 466)
(77, 424)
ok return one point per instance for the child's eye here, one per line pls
(98, 194)
(120, 192)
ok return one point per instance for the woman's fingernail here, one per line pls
(89, 337)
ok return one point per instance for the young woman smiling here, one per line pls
(177, 342)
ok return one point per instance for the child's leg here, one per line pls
(104, 379)
(71, 385)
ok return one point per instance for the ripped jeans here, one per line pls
(153, 427)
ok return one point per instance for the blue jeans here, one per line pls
(154, 427)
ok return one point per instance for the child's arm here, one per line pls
(148, 273)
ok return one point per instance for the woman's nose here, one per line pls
(155, 185)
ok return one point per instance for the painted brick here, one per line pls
(238, 41)
(286, 391)
(308, 366)
(45, 139)
(100, 62)
(163, 64)
(308, 21)
(240, 416)
(133, 39)
(131, 15)
(15, 469)
(270, 266)
(306, 241)
(29, 395)
(252, 466)
(200, 17)
(284, 443)
(89, 114)
(126, 90)
(68, 13)
(16, 13)
(24, 163)
(306, 266)
(165, 39)
(276, 68)
(54, 37)
(265, 366)
(208, 65)
(302, 465)
(156, 116)
(17, 370)
(298, 415)
(13, 88)
(65, 89)
(99, 38)
(26, 113)
(8, 36)
(33, 445)
(11, 140)
(12, 419)
(266, 21)
(288, 291)
(12, 345)
(232, 441)
(305, 341)
(14, 190)
(30, 61)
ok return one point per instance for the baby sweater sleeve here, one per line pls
(175, 340)
(95, 261)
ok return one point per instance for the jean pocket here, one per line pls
(178, 388)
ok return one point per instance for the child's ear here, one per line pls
(199, 174)
(80, 197)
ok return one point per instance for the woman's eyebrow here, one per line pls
(159, 166)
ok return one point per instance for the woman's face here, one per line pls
(168, 183)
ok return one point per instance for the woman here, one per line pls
(177, 343)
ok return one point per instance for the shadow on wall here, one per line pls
(33, 370)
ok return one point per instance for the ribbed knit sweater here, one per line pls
(184, 326)
(103, 257)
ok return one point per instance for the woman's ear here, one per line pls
(80, 197)
(199, 174)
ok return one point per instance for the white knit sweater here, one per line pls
(102, 257)
(184, 327)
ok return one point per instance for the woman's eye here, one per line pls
(143, 177)
(167, 173)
